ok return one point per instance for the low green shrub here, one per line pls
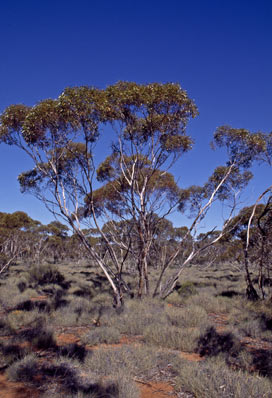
(24, 369)
(22, 284)
(213, 379)
(262, 362)
(10, 296)
(64, 317)
(5, 328)
(251, 323)
(10, 353)
(211, 343)
(18, 318)
(137, 315)
(134, 361)
(189, 316)
(100, 335)
(211, 303)
(78, 311)
(39, 336)
(175, 299)
(183, 339)
(186, 289)
(73, 351)
(45, 274)
(117, 386)
(44, 339)
(125, 387)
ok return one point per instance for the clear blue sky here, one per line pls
(219, 51)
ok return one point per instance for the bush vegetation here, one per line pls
(160, 329)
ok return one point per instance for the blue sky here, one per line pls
(219, 51)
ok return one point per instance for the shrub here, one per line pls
(44, 340)
(18, 318)
(193, 316)
(118, 386)
(230, 293)
(45, 274)
(137, 315)
(64, 373)
(22, 285)
(58, 300)
(213, 379)
(251, 328)
(64, 317)
(26, 305)
(172, 337)
(186, 289)
(243, 360)
(77, 311)
(10, 297)
(211, 303)
(24, 369)
(73, 351)
(82, 291)
(251, 323)
(11, 353)
(70, 382)
(107, 335)
(29, 305)
(125, 387)
(175, 299)
(262, 362)
(5, 329)
(212, 343)
(39, 336)
(134, 361)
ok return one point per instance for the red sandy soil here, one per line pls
(156, 390)
(9, 389)
(253, 344)
(191, 356)
(220, 321)
(70, 335)
(148, 389)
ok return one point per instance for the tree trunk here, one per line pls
(250, 290)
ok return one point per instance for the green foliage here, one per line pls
(17, 319)
(102, 335)
(213, 378)
(16, 221)
(137, 315)
(183, 339)
(45, 274)
(211, 343)
(187, 317)
(243, 146)
(24, 369)
(73, 351)
(62, 132)
(134, 361)
(186, 289)
(11, 353)
(211, 303)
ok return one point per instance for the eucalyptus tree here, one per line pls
(17, 234)
(248, 148)
(254, 246)
(148, 132)
(224, 185)
(60, 135)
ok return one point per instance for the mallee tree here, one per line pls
(148, 136)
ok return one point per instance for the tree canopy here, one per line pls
(148, 125)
